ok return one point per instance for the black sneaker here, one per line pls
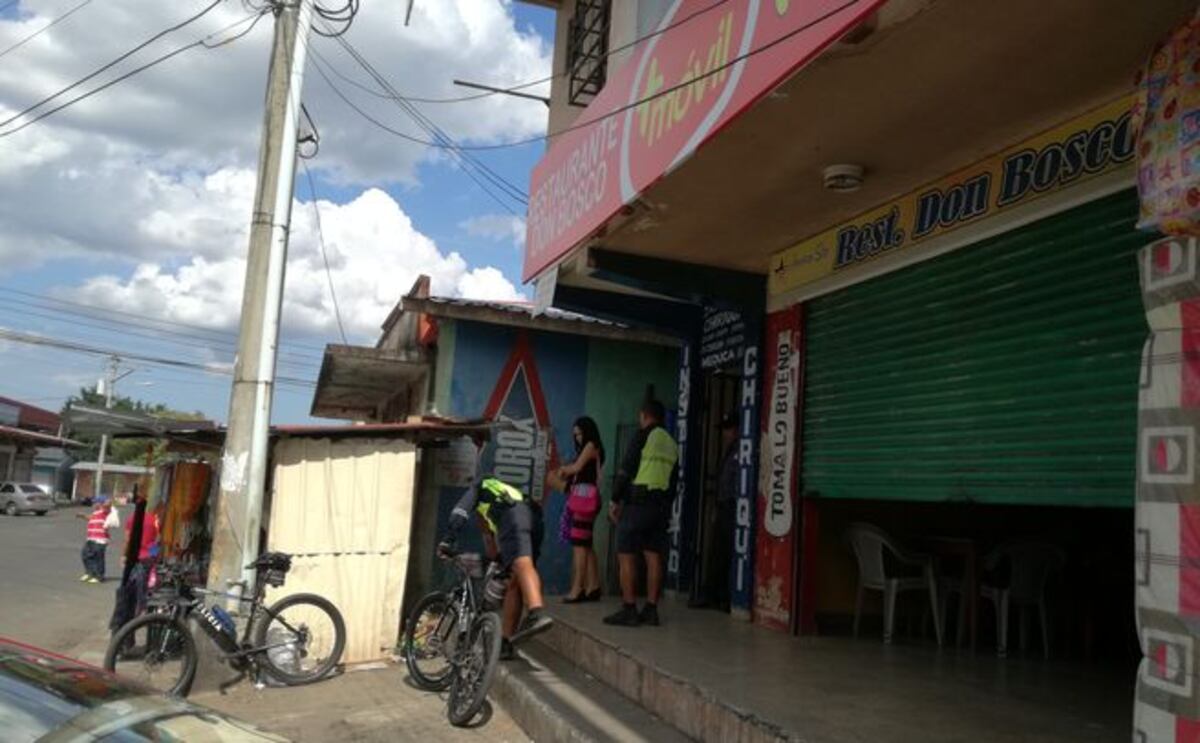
(535, 622)
(649, 615)
(507, 651)
(627, 616)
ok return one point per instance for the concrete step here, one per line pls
(695, 712)
(554, 700)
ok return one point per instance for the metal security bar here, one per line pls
(587, 50)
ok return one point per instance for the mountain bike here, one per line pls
(297, 640)
(452, 638)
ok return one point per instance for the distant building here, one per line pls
(119, 479)
(30, 448)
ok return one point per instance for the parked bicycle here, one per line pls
(452, 638)
(297, 640)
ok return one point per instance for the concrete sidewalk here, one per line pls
(369, 705)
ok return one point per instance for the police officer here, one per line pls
(506, 517)
(641, 508)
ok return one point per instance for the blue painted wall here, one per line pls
(577, 377)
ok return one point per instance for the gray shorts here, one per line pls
(517, 534)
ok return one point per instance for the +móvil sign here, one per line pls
(1091, 145)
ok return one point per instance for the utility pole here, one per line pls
(244, 460)
(109, 383)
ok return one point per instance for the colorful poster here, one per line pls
(1167, 528)
(774, 580)
(522, 452)
(708, 63)
(1099, 142)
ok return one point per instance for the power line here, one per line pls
(108, 327)
(550, 78)
(620, 109)
(312, 190)
(120, 58)
(429, 126)
(143, 321)
(319, 66)
(43, 29)
(137, 70)
(48, 342)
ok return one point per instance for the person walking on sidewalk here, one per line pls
(641, 508)
(102, 520)
(507, 518)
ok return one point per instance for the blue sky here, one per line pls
(77, 253)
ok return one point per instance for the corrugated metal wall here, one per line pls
(1004, 372)
(344, 509)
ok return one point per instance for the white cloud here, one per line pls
(375, 253)
(496, 227)
(124, 174)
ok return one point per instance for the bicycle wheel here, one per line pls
(155, 650)
(475, 670)
(301, 637)
(429, 641)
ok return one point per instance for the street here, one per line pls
(46, 605)
(44, 602)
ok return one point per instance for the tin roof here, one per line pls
(33, 437)
(521, 314)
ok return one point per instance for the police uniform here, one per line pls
(646, 499)
(510, 517)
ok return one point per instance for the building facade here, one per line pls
(924, 217)
(468, 360)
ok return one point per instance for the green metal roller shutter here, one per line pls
(1004, 372)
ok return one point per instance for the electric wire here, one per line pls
(343, 16)
(319, 66)
(109, 65)
(100, 314)
(66, 345)
(431, 128)
(618, 110)
(312, 190)
(53, 22)
(550, 78)
(129, 333)
(203, 43)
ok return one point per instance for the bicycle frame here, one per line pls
(190, 599)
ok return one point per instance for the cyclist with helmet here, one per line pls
(507, 519)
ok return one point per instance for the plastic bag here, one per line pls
(1166, 118)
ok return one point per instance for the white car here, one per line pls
(24, 497)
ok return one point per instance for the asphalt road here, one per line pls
(42, 601)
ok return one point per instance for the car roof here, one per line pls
(59, 691)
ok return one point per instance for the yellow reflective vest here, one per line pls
(659, 455)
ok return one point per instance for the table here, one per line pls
(966, 550)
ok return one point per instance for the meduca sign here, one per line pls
(1093, 144)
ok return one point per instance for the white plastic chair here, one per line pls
(869, 544)
(1031, 565)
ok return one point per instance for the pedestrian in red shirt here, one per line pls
(102, 520)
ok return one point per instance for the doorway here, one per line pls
(721, 388)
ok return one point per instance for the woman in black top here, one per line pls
(583, 502)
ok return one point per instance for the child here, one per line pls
(102, 519)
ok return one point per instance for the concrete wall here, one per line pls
(556, 375)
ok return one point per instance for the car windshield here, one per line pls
(31, 489)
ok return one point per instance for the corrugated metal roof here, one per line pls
(44, 439)
(526, 309)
